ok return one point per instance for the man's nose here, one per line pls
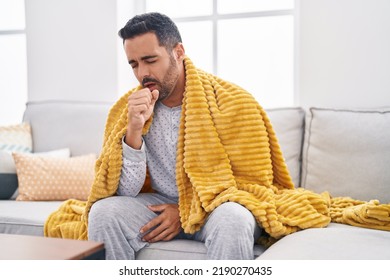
(143, 71)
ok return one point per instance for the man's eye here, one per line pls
(150, 61)
(133, 66)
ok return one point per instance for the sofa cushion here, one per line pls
(288, 124)
(25, 217)
(76, 125)
(180, 249)
(336, 242)
(347, 152)
(13, 138)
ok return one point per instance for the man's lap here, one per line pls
(228, 215)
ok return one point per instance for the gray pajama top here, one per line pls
(158, 150)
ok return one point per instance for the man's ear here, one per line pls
(179, 51)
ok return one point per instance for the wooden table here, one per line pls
(26, 247)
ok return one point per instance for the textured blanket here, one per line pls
(227, 151)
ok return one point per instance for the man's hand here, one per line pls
(165, 226)
(140, 107)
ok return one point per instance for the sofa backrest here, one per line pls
(289, 124)
(78, 126)
(345, 152)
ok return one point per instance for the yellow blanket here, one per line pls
(227, 151)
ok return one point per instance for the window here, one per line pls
(13, 62)
(247, 42)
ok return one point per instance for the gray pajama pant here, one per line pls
(229, 232)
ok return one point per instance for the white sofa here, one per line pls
(345, 152)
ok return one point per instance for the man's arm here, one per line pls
(133, 172)
(140, 108)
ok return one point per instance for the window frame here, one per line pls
(139, 7)
(215, 17)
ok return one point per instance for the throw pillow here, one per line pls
(347, 152)
(13, 138)
(61, 153)
(49, 178)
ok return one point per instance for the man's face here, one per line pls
(152, 65)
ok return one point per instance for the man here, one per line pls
(130, 220)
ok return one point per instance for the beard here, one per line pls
(169, 80)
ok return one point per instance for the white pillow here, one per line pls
(61, 153)
(347, 152)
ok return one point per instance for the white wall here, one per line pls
(344, 53)
(125, 10)
(71, 50)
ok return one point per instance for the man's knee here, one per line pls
(233, 217)
(119, 212)
(100, 218)
(101, 211)
(232, 211)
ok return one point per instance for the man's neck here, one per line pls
(173, 102)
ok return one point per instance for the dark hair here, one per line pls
(165, 29)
